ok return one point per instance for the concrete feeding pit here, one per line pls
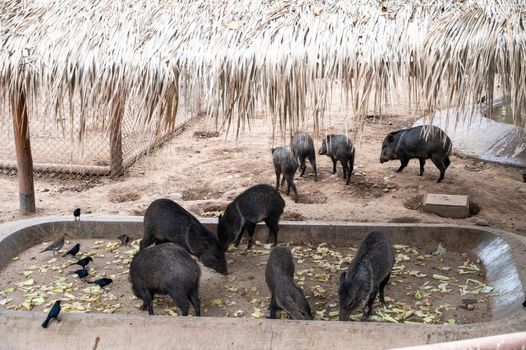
(423, 250)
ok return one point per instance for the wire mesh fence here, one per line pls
(59, 151)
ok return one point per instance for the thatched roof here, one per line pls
(287, 57)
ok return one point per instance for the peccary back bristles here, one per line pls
(167, 221)
(367, 275)
(257, 203)
(285, 294)
(166, 269)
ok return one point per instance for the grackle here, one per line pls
(82, 273)
(76, 214)
(73, 251)
(53, 313)
(55, 246)
(102, 282)
(125, 239)
(83, 262)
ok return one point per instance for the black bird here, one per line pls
(82, 273)
(76, 214)
(125, 239)
(73, 251)
(102, 282)
(53, 313)
(83, 262)
(55, 246)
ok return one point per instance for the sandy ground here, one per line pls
(204, 174)
(423, 288)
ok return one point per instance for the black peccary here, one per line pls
(339, 147)
(166, 269)
(411, 143)
(303, 147)
(285, 294)
(368, 274)
(257, 203)
(285, 164)
(167, 221)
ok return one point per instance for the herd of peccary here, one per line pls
(164, 264)
(166, 267)
(418, 142)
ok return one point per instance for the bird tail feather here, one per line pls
(46, 323)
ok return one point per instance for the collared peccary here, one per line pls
(285, 164)
(257, 203)
(368, 274)
(303, 147)
(411, 143)
(166, 269)
(285, 294)
(339, 147)
(167, 221)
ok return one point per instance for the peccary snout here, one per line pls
(285, 164)
(257, 203)
(285, 294)
(412, 143)
(368, 274)
(166, 269)
(167, 221)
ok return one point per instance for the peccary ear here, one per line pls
(390, 138)
(220, 217)
(272, 150)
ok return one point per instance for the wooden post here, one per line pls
(116, 162)
(23, 153)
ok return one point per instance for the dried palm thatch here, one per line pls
(290, 58)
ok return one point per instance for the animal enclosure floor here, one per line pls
(424, 288)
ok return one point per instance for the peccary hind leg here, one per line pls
(196, 303)
(382, 286)
(273, 308)
(273, 229)
(312, 162)
(147, 300)
(435, 158)
(277, 180)
(251, 227)
(303, 167)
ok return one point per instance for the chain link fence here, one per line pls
(59, 152)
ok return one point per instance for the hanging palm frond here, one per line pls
(288, 58)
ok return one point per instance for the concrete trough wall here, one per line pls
(502, 254)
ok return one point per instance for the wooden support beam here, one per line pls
(116, 161)
(24, 157)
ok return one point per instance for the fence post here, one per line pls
(24, 158)
(116, 168)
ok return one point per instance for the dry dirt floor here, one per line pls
(203, 172)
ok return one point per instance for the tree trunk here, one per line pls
(23, 153)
